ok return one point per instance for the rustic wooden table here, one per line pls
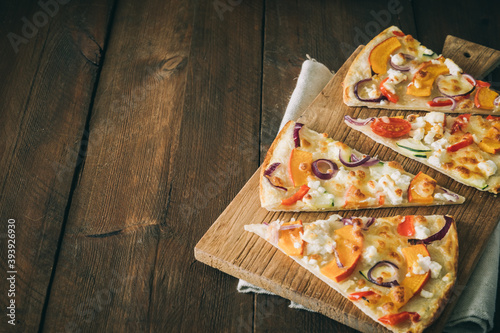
(128, 126)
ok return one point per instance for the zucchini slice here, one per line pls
(413, 145)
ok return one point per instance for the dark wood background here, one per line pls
(128, 126)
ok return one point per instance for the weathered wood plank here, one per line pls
(173, 136)
(49, 64)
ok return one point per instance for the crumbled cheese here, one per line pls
(398, 59)
(446, 278)
(296, 245)
(435, 129)
(434, 117)
(426, 294)
(424, 264)
(315, 184)
(419, 122)
(488, 167)
(372, 92)
(362, 289)
(370, 255)
(439, 144)
(384, 102)
(452, 67)
(390, 189)
(395, 76)
(418, 134)
(421, 232)
(435, 158)
(321, 189)
(417, 84)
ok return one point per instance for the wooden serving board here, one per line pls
(226, 246)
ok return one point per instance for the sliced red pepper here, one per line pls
(390, 96)
(494, 118)
(296, 197)
(482, 84)
(440, 103)
(399, 33)
(467, 140)
(407, 227)
(460, 123)
(359, 295)
(396, 318)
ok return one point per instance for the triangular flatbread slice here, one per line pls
(394, 71)
(465, 148)
(308, 171)
(400, 270)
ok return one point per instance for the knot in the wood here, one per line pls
(173, 64)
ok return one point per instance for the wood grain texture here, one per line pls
(175, 74)
(248, 257)
(45, 91)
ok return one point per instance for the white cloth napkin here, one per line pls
(475, 309)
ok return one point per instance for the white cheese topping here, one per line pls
(391, 190)
(426, 294)
(424, 264)
(439, 144)
(434, 117)
(398, 59)
(488, 167)
(370, 255)
(452, 67)
(418, 134)
(421, 232)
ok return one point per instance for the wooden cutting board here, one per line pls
(226, 246)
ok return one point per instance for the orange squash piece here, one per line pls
(484, 98)
(491, 141)
(354, 197)
(349, 248)
(414, 283)
(380, 54)
(290, 241)
(421, 189)
(299, 166)
(424, 79)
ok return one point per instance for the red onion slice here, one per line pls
(496, 102)
(290, 226)
(447, 98)
(388, 284)
(271, 169)
(370, 222)
(402, 68)
(332, 169)
(468, 76)
(437, 236)
(358, 122)
(353, 164)
(369, 163)
(454, 195)
(356, 92)
(296, 137)
(337, 258)
(268, 174)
